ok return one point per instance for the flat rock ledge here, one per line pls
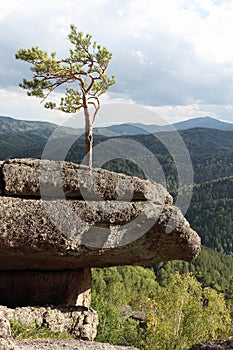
(119, 220)
(214, 345)
(70, 345)
(59, 219)
(8, 343)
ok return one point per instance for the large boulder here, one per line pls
(41, 229)
(59, 219)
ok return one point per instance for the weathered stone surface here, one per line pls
(139, 316)
(6, 340)
(22, 288)
(71, 345)
(35, 178)
(78, 321)
(101, 235)
(58, 218)
(135, 315)
(214, 345)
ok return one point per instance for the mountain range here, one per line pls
(9, 125)
(140, 128)
(12, 125)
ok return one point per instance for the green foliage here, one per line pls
(34, 331)
(178, 315)
(215, 216)
(183, 314)
(113, 328)
(123, 285)
(86, 65)
(84, 71)
(229, 300)
(113, 288)
(211, 268)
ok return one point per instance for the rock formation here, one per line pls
(139, 316)
(214, 345)
(8, 343)
(63, 344)
(79, 321)
(6, 340)
(58, 220)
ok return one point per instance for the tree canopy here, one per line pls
(83, 72)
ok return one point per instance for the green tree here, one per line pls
(84, 71)
(229, 297)
(113, 288)
(184, 313)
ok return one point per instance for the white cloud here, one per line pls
(172, 114)
(9, 7)
(15, 103)
(140, 56)
(175, 55)
(206, 25)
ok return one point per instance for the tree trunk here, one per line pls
(88, 138)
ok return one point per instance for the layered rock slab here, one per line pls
(59, 217)
(90, 237)
(106, 214)
(33, 178)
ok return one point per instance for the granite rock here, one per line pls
(6, 340)
(59, 219)
(77, 321)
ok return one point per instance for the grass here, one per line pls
(34, 331)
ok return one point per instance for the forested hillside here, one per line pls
(10, 125)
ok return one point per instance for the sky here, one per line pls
(171, 57)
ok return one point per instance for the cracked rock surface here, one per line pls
(71, 345)
(55, 215)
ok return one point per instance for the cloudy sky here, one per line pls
(174, 57)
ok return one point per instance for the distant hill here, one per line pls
(203, 122)
(140, 128)
(23, 138)
(44, 129)
(8, 124)
(19, 138)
